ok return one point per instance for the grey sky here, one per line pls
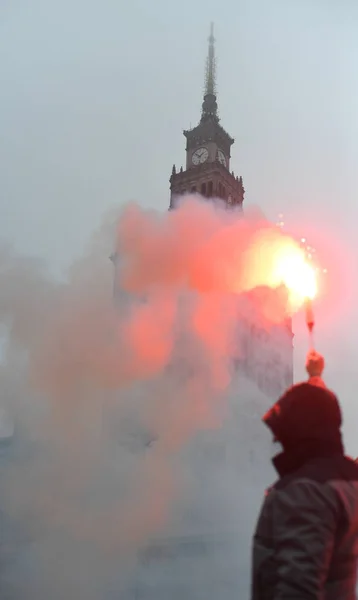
(95, 94)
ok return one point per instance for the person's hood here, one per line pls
(306, 420)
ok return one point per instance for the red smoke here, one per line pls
(111, 390)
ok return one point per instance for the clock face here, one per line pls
(200, 156)
(221, 158)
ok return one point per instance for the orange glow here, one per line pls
(275, 260)
(295, 268)
(292, 269)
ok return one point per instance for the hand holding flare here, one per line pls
(314, 368)
(314, 360)
(314, 364)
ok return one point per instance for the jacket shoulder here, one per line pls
(323, 471)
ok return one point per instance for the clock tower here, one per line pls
(208, 154)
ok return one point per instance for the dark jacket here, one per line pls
(306, 540)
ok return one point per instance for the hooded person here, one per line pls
(306, 540)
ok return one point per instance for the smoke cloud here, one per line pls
(105, 392)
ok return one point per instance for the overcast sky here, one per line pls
(95, 94)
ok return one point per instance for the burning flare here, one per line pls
(293, 270)
(275, 260)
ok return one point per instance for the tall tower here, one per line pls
(208, 148)
(203, 551)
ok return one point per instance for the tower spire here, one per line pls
(209, 106)
(210, 65)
